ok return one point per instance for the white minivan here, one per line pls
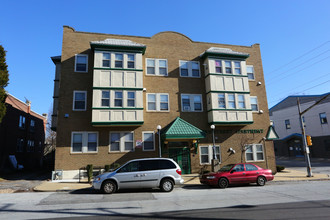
(161, 173)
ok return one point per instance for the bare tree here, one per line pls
(50, 134)
(244, 140)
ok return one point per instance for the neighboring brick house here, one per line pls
(112, 91)
(22, 134)
(285, 116)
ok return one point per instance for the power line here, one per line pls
(300, 57)
(300, 64)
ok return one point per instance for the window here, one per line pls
(254, 103)
(218, 66)
(130, 99)
(105, 100)
(241, 101)
(189, 69)
(20, 145)
(231, 101)
(183, 68)
(156, 67)
(250, 167)
(130, 167)
(148, 141)
(228, 66)
(150, 67)
(323, 118)
(254, 152)
(106, 60)
(118, 99)
(206, 154)
(118, 60)
(130, 61)
(221, 101)
(121, 141)
(81, 63)
(92, 142)
(79, 100)
(30, 146)
(191, 102)
(84, 142)
(32, 125)
(287, 124)
(237, 67)
(157, 102)
(250, 72)
(21, 122)
(162, 67)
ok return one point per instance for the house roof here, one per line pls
(224, 52)
(118, 42)
(180, 129)
(292, 101)
(20, 105)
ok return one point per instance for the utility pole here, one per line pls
(305, 147)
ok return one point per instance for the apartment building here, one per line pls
(22, 136)
(120, 97)
(285, 116)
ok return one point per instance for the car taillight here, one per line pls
(178, 171)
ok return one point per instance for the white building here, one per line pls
(285, 116)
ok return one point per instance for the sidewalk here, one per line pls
(189, 179)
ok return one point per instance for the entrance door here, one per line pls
(182, 157)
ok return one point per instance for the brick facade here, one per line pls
(173, 47)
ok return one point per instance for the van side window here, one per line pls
(149, 165)
(166, 164)
(131, 167)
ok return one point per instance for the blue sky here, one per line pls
(294, 37)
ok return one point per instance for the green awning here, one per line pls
(180, 129)
(271, 134)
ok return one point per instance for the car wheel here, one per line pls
(223, 183)
(261, 181)
(109, 187)
(166, 185)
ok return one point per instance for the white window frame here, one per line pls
(158, 102)
(130, 99)
(156, 67)
(74, 99)
(224, 100)
(215, 66)
(75, 64)
(190, 69)
(256, 98)
(20, 145)
(153, 137)
(287, 124)
(130, 61)
(122, 135)
(252, 73)
(106, 59)
(241, 101)
(122, 99)
(109, 99)
(235, 68)
(231, 101)
(323, 118)
(192, 103)
(210, 153)
(84, 147)
(122, 60)
(254, 152)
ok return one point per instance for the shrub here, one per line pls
(89, 169)
(279, 168)
(107, 168)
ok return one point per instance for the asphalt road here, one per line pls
(282, 200)
(318, 165)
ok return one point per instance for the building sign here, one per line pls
(242, 131)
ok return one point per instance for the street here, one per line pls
(306, 199)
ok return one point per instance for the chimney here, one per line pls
(29, 106)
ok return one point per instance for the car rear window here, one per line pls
(166, 164)
(156, 165)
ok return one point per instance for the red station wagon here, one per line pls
(237, 174)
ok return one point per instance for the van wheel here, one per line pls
(166, 185)
(109, 187)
